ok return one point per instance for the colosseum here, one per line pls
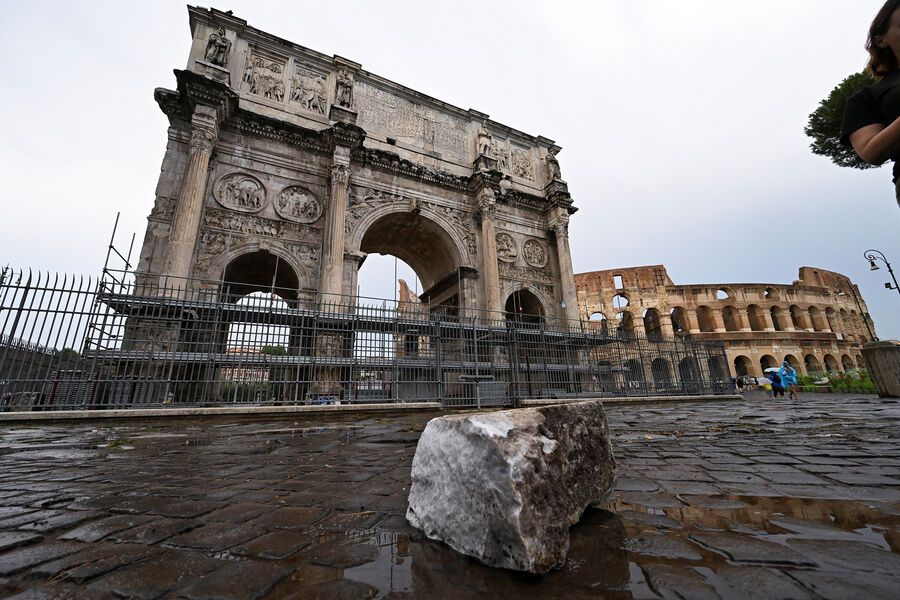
(818, 323)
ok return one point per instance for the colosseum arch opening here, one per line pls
(767, 361)
(847, 362)
(812, 364)
(778, 318)
(653, 325)
(756, 318)
(794, 362)
(705, 319)
(743, 366)
(679, 320)
(731, 319)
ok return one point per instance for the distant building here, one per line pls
(818, 323)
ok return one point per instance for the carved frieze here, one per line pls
(226, 220)
(500, 151)
(506, 248)
(461, 221)
(264, 75)
(240, 192)
(394, 116)
(298, 204)
(520, 273)
(521, 164)
(308, 90)
(364, 200)
(535, 253)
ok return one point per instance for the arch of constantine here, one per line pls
(817, 323)
(287, 165)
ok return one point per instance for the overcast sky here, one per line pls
(681, 122)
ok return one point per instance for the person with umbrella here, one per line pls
(777, 384)
(789, 379)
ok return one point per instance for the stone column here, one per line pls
(560, 227)
(333, 246)
(667, 329)
(185, 225)
(744, 318)
(487, 208)
(718, 320)
(767, 319)
(692, 323)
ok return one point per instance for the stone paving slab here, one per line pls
(752, 498)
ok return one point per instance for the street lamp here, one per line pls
(865, 315)
(872, 256)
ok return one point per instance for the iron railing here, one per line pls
(126, 340)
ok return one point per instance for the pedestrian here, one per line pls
(872, 116)
(740, 385)
(777, 387)
(789, 379)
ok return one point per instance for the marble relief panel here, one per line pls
(264, 75)
(396, 117)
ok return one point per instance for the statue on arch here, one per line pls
(344, 89)
(217, 48)
(484, 141)
(553, 173)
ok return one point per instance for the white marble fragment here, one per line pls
(504, 487)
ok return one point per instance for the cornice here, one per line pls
(392, 163)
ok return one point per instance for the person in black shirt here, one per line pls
(872, 117)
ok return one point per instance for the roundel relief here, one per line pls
(506, 247)
(535, 253)
(241, 192)
(298, 204)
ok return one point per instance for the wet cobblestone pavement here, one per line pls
(748, 499)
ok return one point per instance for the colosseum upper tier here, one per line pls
(818, 323)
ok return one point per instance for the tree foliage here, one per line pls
(825, 122)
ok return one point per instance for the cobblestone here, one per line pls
(752, 498)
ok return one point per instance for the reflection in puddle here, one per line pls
(391, 571)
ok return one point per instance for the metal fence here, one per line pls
(123, 340)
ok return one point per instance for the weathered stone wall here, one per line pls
(883, 359)
(818, 323)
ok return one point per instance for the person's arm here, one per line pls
(876, 143)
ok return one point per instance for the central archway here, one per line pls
(433, 252)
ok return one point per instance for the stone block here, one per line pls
(504, 487)
(883, 362)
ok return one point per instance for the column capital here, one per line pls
(559, 223)
(203, 139)
(487, 203)
(340, 174)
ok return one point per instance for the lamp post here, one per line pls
(872, 256)
(864, 314)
